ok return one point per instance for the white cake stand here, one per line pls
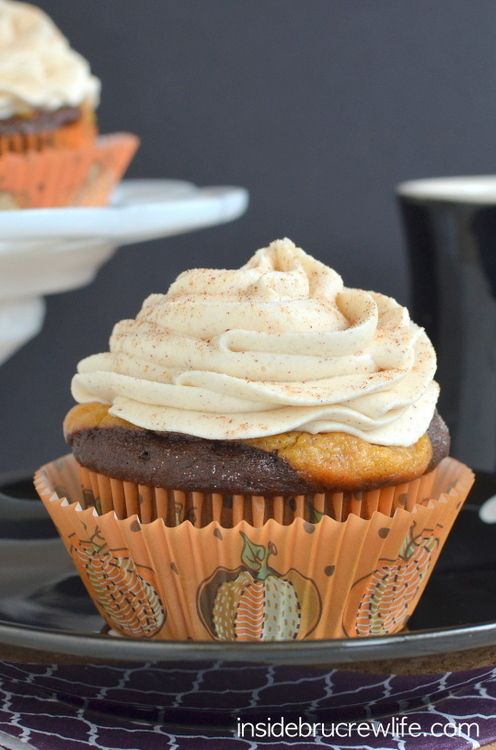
(43, 251)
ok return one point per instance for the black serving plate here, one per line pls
(44, 608)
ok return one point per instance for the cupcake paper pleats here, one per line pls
(55, 177)
(200, 508)
(329, 578)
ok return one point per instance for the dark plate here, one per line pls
(44, 607)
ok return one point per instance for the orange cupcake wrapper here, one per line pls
(356, 577)
(200, 508)
(56, 177)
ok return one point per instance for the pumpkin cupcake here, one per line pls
(271, 380)
(49, 152)
(279, 430)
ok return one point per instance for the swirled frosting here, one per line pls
(280, 344)
(38, 69)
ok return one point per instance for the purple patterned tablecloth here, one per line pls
(32, 715)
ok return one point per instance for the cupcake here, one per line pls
(261, 448)
(49, 151)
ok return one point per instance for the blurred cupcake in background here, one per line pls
(50, 154)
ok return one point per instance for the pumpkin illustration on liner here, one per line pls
(256, 603)
(387, 595)
(129, 602)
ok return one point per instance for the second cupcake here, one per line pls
(50, 155)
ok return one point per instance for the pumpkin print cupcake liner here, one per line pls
(201, 508)
(55, 177)
(329, 578)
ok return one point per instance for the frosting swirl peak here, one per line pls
(38, 69)
(280, 344)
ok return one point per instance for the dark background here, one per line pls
(318, 107)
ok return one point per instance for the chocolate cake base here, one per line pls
(40, 120)
(176, 461)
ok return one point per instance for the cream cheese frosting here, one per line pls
(38, 69)
(280, 344)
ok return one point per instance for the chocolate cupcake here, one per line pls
(48, 130)
(261, 435)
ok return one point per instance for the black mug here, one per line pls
(450, 227)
